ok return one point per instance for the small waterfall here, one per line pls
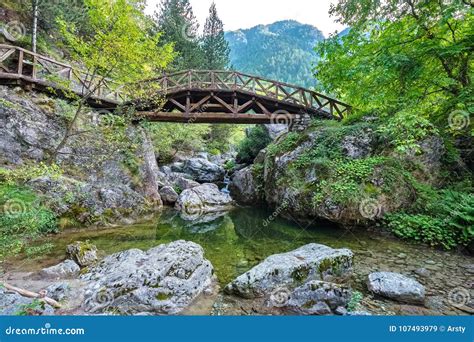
(225, 190)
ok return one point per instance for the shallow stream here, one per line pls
(244, 237)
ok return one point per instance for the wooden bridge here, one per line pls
(193, 96)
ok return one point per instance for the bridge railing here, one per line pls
(17, 64)
(236, 81)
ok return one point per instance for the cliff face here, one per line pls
(108, 166)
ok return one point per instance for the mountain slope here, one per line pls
(282, 51)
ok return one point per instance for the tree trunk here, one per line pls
(34, 26)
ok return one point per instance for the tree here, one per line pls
(214, 45)
(118, 47)
(178, 25)
(410, 61)
(34, 4)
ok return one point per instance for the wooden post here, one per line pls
(20, 62)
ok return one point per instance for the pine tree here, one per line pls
(178, 25)
(215, 47)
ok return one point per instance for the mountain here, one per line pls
(282, 51)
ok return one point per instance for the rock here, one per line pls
(177, 167)
(64, 194)
(319, 298)
(83, 253)
(203, 170)
(65, 270)
(275, 130)
(358, 146)
(58, 291)
(423, 272)
(164, 280)
(396, 286)
(202, 155)
(169, 195)
(243, 187)
(202, 200)
(185, 184)
(292, 269)
(11, 303)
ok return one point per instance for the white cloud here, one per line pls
(237, 14)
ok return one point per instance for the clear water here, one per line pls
(244, 237)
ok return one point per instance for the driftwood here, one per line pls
(30, 294)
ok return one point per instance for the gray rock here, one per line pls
(65, 270)
(276, 130)
(63, 194)
(185, 183)
(359, 146)
(58, 291)
(203, 170)
(243, 187)
(290, 270)
(11, 303)
(83, 253)
(396, 286)
(169, 195)
(164, 280)
(204, 199)
(319, 298)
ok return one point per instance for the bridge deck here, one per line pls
(198, 96)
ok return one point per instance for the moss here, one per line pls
(162, 296)
(300, 274)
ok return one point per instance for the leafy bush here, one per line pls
(257, 139)
(22, 219)
(447, 220)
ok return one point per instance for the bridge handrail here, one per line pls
(229, 79)
(35, 67)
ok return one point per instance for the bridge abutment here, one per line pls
(300, 122)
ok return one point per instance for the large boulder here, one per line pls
(204, 199)
(93, 202)
(67, 269)
(83, 253)
(292, 269)
(203, 171)
(243, 187)
(164, 280)
(396, 286)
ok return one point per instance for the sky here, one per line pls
(242, 14)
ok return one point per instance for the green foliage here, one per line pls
(170, 138)
(222, 137)
(405, 130)
(354, 303)
(281, 51)
(413, 57)
(289, 142)
(177, 25)
(257, 139)
(25, 173)
(118, 45)
(214, 46)
(32, 309)
(22, 218)
(446, 219)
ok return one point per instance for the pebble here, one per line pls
(423, 272)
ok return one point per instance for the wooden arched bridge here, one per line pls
(193, 96)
